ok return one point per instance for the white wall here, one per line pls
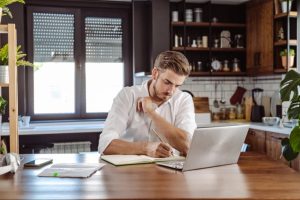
(205, 86)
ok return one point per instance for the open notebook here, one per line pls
(136, 159)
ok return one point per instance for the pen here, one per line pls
(160, 138)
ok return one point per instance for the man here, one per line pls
(155, 117)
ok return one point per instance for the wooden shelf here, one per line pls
(292, 14)
(284, 43)
(280, 70)
(228, 73)
(194, 24)
(177, 23)
(4, 85)
(3, 28)
(229, 25)
(197, 49)
(197, 24)
(207, 24)
(228, 49)
(178, 48)
(11, 32)
(190, 49)
(200, 73)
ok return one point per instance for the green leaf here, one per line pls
(294, 109)
(289, 86)
(3, 104)
(295, 139)
(4, 3)
(20, 57)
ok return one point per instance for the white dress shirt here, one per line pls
(125, 123)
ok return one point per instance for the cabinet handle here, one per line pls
(258, 58)
(252, 132)
(255, 59)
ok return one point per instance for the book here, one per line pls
(72, 170)
(136, 159)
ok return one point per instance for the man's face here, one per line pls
(166, 83)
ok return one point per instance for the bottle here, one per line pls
(198, 14)
(176, 40)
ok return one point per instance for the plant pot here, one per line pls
(290, 61)
(284, 7)
(4, 75)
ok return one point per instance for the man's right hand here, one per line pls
(158, 149)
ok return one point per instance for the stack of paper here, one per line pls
(136, 159)
(74, 170)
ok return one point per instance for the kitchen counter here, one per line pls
(58, 127)
(253, 125)
(97, 126)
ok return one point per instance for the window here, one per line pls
(82, 61)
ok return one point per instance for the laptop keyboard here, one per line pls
(173, 164)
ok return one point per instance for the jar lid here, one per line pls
(198, 10)
(189, 11)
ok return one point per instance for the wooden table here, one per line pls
(254, 177)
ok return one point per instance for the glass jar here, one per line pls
(223, 113)
(188, 15)
(232, 113)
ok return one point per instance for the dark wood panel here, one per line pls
(141, 35)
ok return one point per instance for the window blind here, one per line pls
(53, 36)
(103, 37)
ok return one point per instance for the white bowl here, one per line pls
(271, 121)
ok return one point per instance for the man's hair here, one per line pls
(174, 61)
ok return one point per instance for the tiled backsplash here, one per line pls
(205, 86)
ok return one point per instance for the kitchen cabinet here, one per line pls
(259, 20)
(285, 34)
(256, 139)
(273, 146)
(295, 164)
(269, 143)
(202, 41)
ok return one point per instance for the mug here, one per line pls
(26, 121)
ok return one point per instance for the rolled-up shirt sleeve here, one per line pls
(116, 121)
(185, 116)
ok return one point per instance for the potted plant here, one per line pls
(4, 10)
(289, 92)
(284, 6)
(3, 104)
(4, 62)
(287, 58)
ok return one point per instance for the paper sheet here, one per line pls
(73, 170)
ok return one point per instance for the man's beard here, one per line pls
(157, 97)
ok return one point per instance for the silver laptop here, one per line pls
(212, 146)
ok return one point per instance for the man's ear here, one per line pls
(154, 73)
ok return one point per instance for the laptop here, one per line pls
(212, 146)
